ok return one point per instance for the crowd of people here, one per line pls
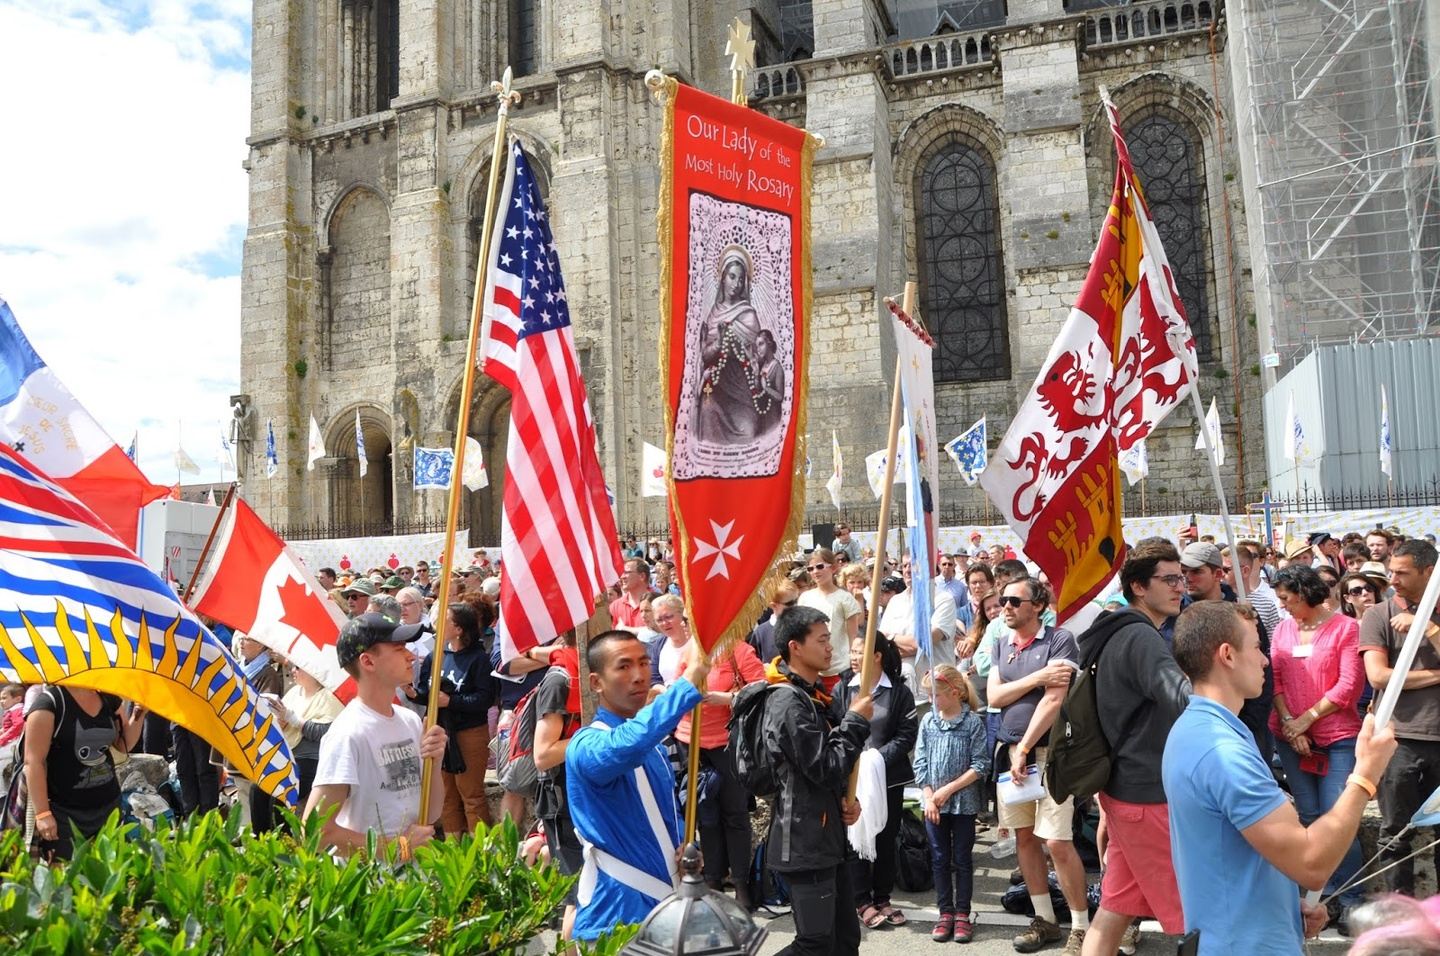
(1239, 744)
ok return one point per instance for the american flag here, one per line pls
(557, 537)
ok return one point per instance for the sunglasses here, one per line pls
(816, 567)
(1358, 590)
(1011, 600)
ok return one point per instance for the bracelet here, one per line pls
(1362, 783)
(44, 815)
(1286, 718)
(1312, 714)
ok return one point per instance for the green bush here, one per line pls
(207, 887)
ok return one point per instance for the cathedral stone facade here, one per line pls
(965, 148)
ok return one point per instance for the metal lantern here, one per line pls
(696, 919)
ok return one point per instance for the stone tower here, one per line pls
(965, 149)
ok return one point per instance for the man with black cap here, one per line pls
(357, 596)
(370, 760)
(1327, 551)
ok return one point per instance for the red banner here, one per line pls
(1122, 361)
(734, 348)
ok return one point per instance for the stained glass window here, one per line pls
(1165, 154)
(962, 276)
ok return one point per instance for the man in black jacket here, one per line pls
(1140, 691)
(813, 760)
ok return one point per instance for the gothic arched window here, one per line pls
(1164, 152)
(962, 276)
(524, 36)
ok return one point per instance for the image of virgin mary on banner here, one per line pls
(734, 348)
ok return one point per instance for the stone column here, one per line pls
(1050, 238)
(421, 299)
(278, 255)
(852, 353)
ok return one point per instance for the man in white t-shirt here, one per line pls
(370, 759)
(898, 624)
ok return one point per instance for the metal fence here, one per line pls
(315, 530)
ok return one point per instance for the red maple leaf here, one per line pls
(305, 612)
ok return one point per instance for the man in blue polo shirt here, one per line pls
(1231, 825)
(620, 787)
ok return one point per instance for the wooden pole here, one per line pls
(868, 677)
(209, 540)
(505, 97)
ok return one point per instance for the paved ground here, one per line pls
(995, 927)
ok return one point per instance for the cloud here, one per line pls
(125, 207)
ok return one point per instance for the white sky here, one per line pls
(122, 209)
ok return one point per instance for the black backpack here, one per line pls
(755, 765)
(1078, 764)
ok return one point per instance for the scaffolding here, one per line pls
(1342, 117)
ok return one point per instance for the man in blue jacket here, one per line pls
(620, 786)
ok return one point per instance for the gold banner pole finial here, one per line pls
(506, 97)
(740, 48)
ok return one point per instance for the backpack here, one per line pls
(1078, 764)
(913, 870)
(768, 889)
(755, 766)
(515, 758)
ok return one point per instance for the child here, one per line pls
(12, 705)
(950, 761)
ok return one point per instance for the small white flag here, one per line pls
(652, 472)
(360, 445)
(317, 445)
(1385, 433)
(1296, 448)
(1135, 462)
(225, 454)
(875, 472)
(210, 496)
(475, 476)
(832, 484)
(1212, 425)
(185, 463)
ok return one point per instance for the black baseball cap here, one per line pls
(362, 633)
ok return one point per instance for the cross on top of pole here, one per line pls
(740, 47)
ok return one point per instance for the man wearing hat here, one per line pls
(392, 584)
(370, 759)
(1204, 568)
(357, 597)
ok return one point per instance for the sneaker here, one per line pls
(944, 930)
(1075, 943)
(1040, 934)
(1130, 940)
(964, 929)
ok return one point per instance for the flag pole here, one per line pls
(741, 50)
(1215, 475)
(505, 96)
(209, 540)
(872, 619)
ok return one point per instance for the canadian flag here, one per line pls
(254, 583)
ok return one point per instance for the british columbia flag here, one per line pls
(78, 608)
(557, 534)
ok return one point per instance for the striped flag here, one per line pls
(41, 419)
(557, 536)
(1385, 446)
(78, 608)
(272, 460)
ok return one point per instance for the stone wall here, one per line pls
(386, 327)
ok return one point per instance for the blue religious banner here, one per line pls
(433, 467)
(969, 452)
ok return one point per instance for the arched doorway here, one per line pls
(490, 426)
(366, 504)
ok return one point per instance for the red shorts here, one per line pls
(1139, 877)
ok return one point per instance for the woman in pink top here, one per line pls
(1315, 656)
(725, 823)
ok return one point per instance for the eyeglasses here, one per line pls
(665, 618)
(790, 603)
(1358, 590)
(1169, 580)
(1011, 600)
